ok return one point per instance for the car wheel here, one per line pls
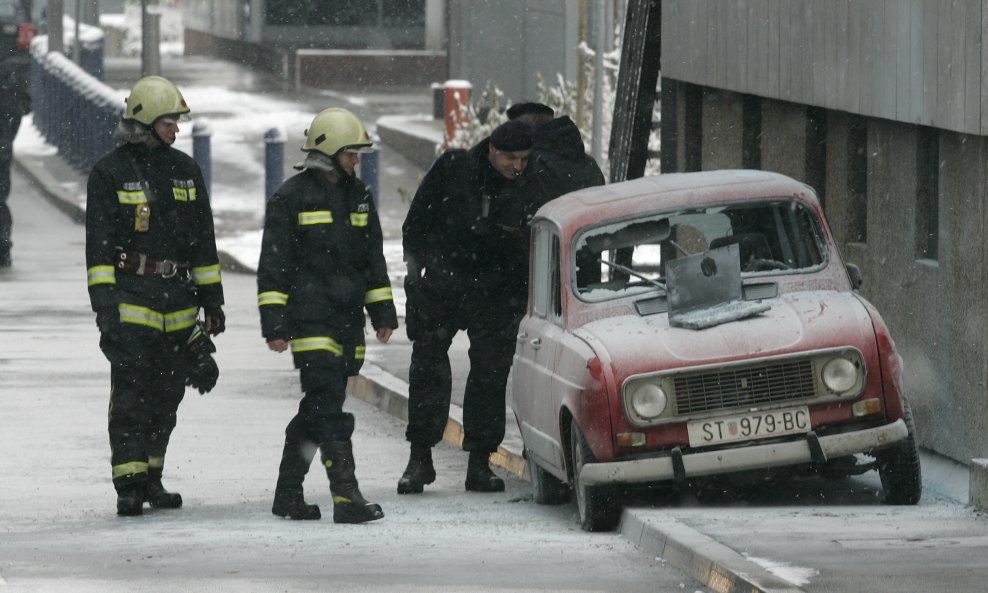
(899, 466)
(546, 488)
(597, 507)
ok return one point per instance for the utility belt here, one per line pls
(142, 265)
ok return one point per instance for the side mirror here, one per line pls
(854, 273)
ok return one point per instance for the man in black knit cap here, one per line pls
(460, 277)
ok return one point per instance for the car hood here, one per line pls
(794, 322)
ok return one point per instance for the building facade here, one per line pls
(882, 107)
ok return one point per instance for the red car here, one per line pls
(697, 324)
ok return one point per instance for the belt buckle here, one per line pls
(167, 268)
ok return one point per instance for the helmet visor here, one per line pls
(358, 149)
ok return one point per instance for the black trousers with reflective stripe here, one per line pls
(147, 372)
(320, 417)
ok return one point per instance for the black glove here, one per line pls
(215, 315)
(413, 275)
(202, 371)
(108, 320)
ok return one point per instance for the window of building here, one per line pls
(346, 13)
(816, 151)
(751, 132)
(857, 179)
(927, 193)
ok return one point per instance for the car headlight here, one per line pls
(648, 401)
(839, 375)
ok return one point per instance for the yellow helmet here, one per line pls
(337, 129)
(153, 97)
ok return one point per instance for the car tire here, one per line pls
(597, 505)
(546, 488)
(899, 467)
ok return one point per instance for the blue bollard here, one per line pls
(370, 170)
(202, 151)
(274, 161)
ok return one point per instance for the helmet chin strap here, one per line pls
(317, 160)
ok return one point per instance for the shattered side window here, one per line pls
(628, 257)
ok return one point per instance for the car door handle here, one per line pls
(536, 343)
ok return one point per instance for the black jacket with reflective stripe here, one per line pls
(179, 227)
(322, 260)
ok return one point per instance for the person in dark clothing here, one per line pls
(151, 266)
(559, 162)
(322, 263)
(16, 104)
(458, 279)
(559, 165)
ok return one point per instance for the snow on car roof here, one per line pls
(669, 190)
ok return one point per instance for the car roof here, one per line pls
(669, 191)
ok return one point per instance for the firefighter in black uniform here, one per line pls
(322, 263)
(458, 260)
(151, 266)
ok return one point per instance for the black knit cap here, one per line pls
(519, 109)
(512, 135)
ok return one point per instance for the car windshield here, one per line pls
(616, 259)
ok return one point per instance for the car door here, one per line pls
(535, 352)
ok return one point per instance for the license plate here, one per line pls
(745, 427)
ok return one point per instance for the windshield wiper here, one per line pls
(656, 283)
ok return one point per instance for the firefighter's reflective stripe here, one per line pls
(101, 275)
(127, 469)
(132, 197)
(377, 295)
(316, 343)
(164, 322)
(359, 218)
(272, 298)
(315, 217)
(359, 352)
(155, 462)
(206, 275)
(184, 195)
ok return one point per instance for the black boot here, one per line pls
(349, 506)
(288, 499)
(480, 478)
(418, 472)
(157, 496)
(289, 502)
(130, 500)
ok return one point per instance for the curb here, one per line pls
(388, 393)
(700, 556)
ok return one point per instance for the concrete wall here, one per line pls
(784, 138)
(915, 61)
(933, 307)
(722, 130)
(509, 42)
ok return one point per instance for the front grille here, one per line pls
(744, 387)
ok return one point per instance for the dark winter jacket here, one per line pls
(559, 161)
(447, 231)
(322, 260)
(151, 202)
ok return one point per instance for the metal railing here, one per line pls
(73, 109)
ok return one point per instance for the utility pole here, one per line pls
(597, 146)
(150, 39)
(55, 34)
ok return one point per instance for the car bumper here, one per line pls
(752, 457)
